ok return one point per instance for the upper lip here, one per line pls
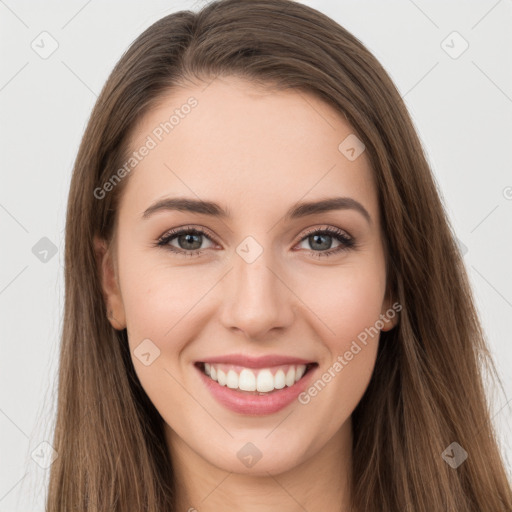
(256, 362)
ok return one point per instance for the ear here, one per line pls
(109, 284)
(390, 312)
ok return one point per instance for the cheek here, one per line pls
(347, 300)
(350, 309)
(348, 304)
(158, 297)
(161, 304)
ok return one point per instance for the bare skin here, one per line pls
(256, 153)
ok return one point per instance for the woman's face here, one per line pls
(261, 279)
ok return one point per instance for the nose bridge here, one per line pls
(256, 299)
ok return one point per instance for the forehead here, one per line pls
(247, 147)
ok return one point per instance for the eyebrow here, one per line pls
(297, 211)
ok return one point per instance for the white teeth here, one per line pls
(290, 376)
(232, 379)
(221, 377)
(279, 380)
(247, 380)
(300, 371)
(261, 380)
(265, 381)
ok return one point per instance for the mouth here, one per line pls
(255, 381)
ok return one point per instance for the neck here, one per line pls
(321, 482)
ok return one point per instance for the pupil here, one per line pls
(325, 245)
(189, 239)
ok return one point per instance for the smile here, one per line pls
(255, 387)
(264, 380)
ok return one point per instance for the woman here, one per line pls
(265, 306)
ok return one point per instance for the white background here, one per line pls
(461, 107)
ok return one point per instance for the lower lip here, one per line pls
(244, 403)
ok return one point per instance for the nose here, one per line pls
(256, 298)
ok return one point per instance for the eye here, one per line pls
(320, 240)
(187, 241)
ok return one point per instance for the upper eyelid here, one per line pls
(181, 229)
(331, 229)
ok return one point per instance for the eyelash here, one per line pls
(347, 242)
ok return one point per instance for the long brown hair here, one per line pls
(427, 388)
